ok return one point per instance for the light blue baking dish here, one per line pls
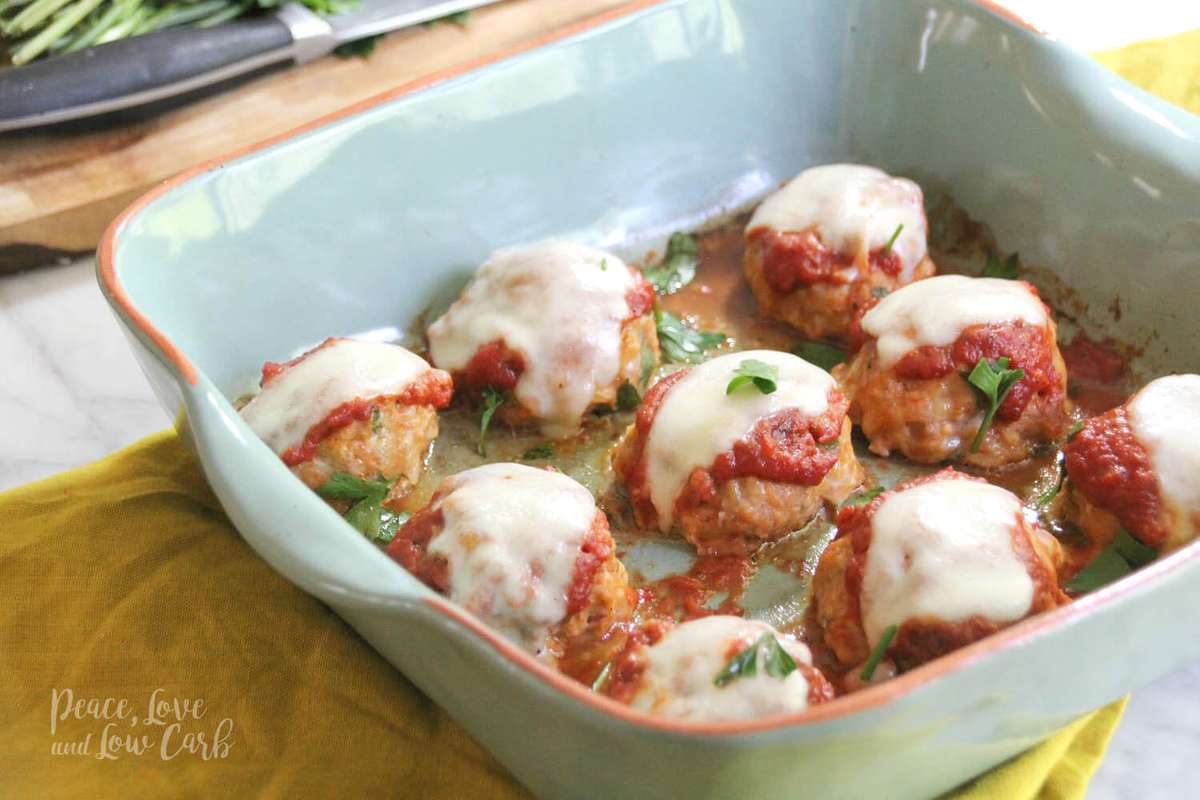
(661, 116)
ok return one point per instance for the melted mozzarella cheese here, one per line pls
(560, 305)
(698, 421)
(944, 550)
(305, 393)
(937, 310)
(854, 209)
(681, 668)
(1165, 418)
(511, 538)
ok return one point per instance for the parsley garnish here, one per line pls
(376, 420)
(994, 380)
(995, 268)
(602, 677)
(539, 452)
(1121, 557)
(753, 371)
(648, 363)
(367, 514)
(825, 356)
(627, 397)
(885, 641)
(604, 265)
(863, 497)
(680, 342)
(776, 661)
(887, 248)
(678, 266)
(1076, 428)
(491, 401)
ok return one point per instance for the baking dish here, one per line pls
(659, 116)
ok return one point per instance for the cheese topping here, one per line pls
(681, 668)
(305, 393)
(944, 549)
(560, 305)
(854, 209)
(511, 538)
(1165, 418)
(698, 421)
(935, 311)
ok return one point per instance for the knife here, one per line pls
(173, 62)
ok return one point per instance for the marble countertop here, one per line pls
(72, 393)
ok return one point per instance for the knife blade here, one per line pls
(178, 61)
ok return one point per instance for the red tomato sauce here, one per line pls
(595, 551)
(411, 544)
(272, 369)
(1112, 469)
(793, 260)
(1026, 347)
(1098, 371)
(494, 365)
(684, 597)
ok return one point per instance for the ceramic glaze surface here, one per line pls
(356, 226)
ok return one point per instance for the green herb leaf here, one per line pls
(360, 48)
(648, 363)
(1121, 557)
(604, 265)
(753, 371)
(1046, 497)
(885, 641)
(887, 248)
(678, 267)
(1076, 428)
(627, 397)
(995, 268)
(776, 661)
(376, 420)
(994, 380)
(834, 445)
(539, 452)
(864, 497)
(598, 684)
(491, 401)
(344, 486)
(825, 356)
(680, 342)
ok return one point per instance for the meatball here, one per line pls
(527, 551)
(716, 669)
(832, 240)
(730, 470)
(365, 408)
(908, 380)
(948, 559)
(1137, 467)
(557, 328)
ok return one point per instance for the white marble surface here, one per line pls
(70, 392)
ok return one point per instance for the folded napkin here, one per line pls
(123, 580)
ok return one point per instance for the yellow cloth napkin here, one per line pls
(124, 580)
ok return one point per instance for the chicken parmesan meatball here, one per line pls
(731, 466)
(365, 408)
(830, 241)
(717, 669)
(1137, 467)
(527, 551)
(947, 559)
(556, 328)
(909, 381)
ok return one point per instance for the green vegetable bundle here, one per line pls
(35, 28)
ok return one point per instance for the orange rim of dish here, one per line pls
(869, 698)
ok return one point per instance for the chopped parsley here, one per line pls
(598, 684)
(863, 497)
(887, 248)
(491, 401)
(825, 356)
(751, 371)
(627, 397)
(678, 267)
(376, 420)
(776, 661)
(885, 641)
(995, 268)
(680, 342)
(994, 380)
(1046, 497)
(648, 364)
(367, 514)
(604, 265)
(1121, 557)
(1076, 428)
(539, 452)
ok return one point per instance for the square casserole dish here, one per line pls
(659, 116)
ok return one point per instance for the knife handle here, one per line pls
(138, 70)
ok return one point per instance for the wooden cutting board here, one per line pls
(59, 190)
